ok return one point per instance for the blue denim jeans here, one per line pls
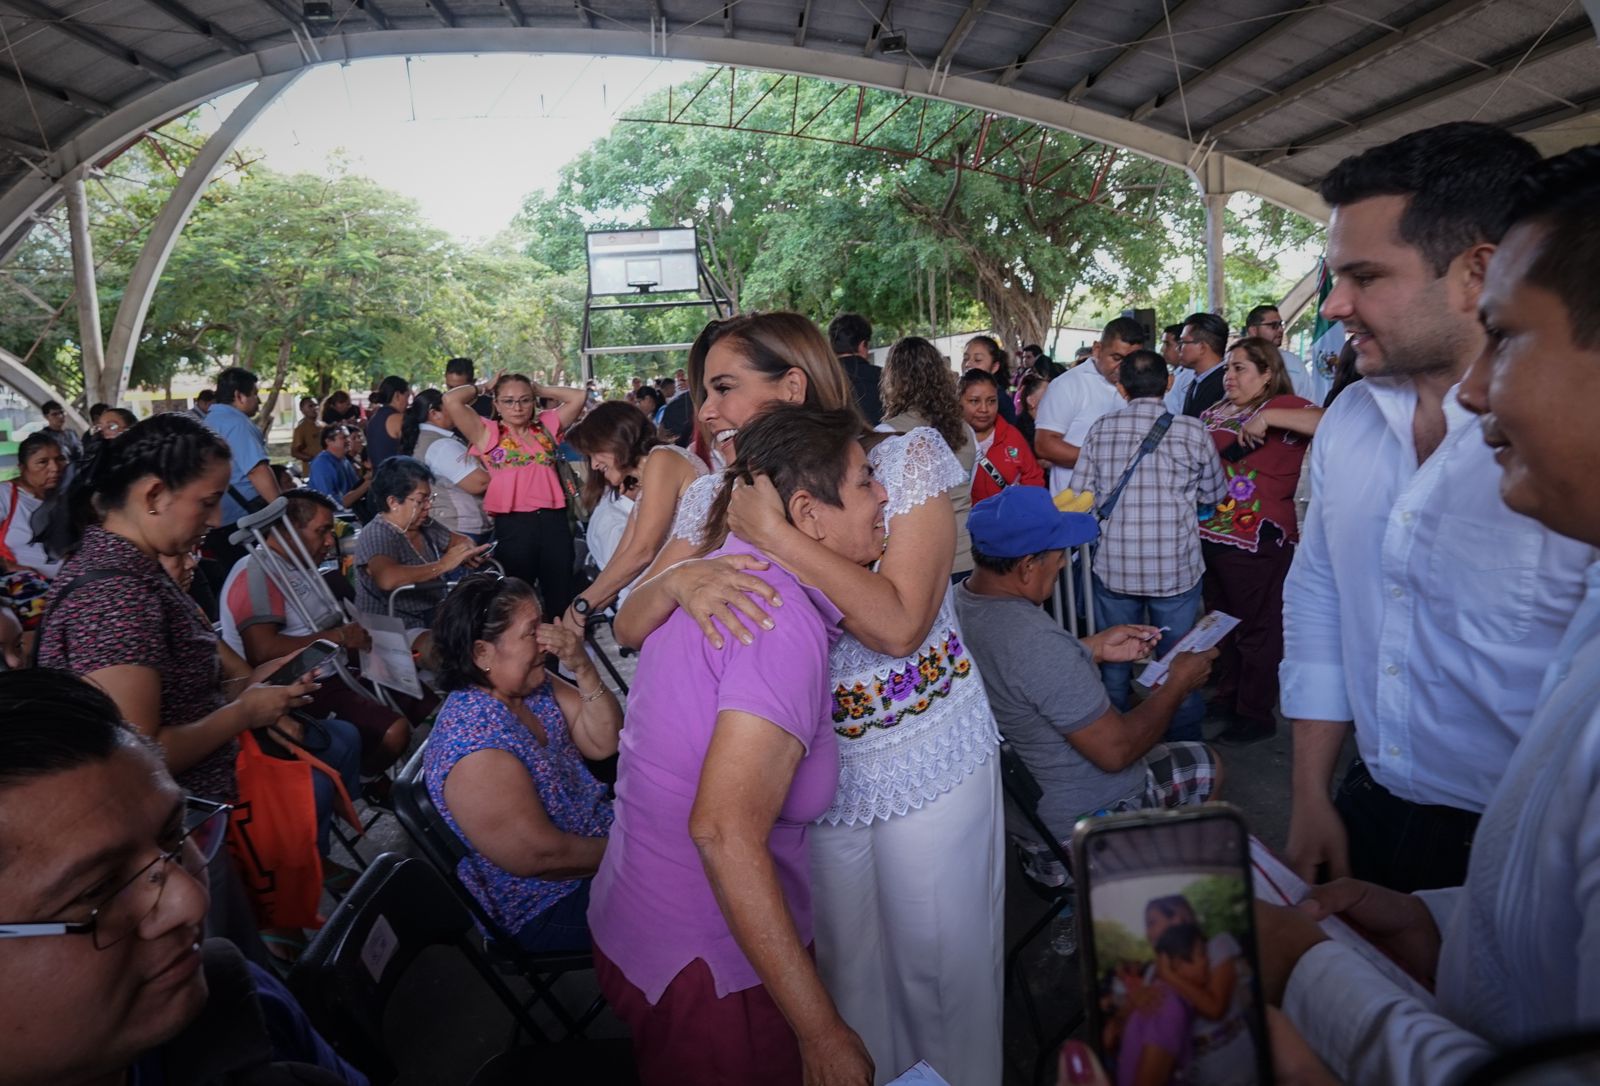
(1178, 613)
(341, 751)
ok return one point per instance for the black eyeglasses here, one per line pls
(119, 914)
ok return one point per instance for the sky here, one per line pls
(467, 137)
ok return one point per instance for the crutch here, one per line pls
(292, 562)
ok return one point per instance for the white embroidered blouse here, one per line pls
(909, 728)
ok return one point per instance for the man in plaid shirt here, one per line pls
(1149, 562)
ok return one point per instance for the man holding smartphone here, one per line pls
(1511, 954)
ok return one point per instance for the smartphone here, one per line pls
(1167, 931)
(303, 663)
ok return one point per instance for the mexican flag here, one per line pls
(1327, 338)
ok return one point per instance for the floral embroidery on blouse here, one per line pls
(904, 693)
(509, 453)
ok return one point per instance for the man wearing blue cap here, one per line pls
(1051, 705)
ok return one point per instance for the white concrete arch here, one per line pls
(274, 67)
(1213, 172)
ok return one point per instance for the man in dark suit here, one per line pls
(851, 335)
(1200, 348)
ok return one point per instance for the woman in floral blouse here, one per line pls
(1262, 430)
(524, 497)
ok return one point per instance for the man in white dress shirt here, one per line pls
(1265, 322)
(1514, 951)
(1078, 397)
(1418, 607)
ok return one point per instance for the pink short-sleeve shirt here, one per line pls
(652, 910)
(522, 478)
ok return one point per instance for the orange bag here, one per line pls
(272, 833)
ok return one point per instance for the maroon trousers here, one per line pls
(1250, 588)
(690, 1037)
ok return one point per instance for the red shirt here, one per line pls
(1261, 485)
(1010, 458)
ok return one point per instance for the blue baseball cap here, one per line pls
(1022, 520)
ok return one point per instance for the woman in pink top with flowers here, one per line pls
(524, 497)
(701, 910)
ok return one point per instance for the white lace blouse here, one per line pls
(909, 728)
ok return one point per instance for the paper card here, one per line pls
(1277, 885)
(1207, 633)
(379, 948)
(920, 1075)
(389, 662)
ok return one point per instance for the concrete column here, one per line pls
(90, 340)
(1216, 282)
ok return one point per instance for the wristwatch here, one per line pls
(581, 607)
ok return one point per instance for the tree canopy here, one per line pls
(332, 281)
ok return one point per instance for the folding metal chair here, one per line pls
(1024, 791)
(344, 980)
(439, 844)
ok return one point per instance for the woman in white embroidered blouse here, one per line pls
(917, 817)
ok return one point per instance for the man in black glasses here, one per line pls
(102, 897)
(1266, 322)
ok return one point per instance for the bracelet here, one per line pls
(596, 696)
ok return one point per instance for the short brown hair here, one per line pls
(798, 448)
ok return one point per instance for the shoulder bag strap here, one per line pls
(577, 515)
(68, 589)
(1147, 446)
(992, 472)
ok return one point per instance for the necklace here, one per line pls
(405, 535)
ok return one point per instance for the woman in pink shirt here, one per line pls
(701, 910)
(524, 497)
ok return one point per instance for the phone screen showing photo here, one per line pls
(1175, 992)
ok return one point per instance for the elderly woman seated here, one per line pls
(403, 545)
(702, 908)
(504, 764)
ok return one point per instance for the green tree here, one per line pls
(1220, 904)
(1113, 943)
(319, 274)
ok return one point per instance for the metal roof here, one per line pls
(1254, 95)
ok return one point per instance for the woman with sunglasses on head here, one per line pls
(525, 498)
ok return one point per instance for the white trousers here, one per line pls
(910, 919)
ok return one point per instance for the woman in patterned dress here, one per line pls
(504, 764)
(1262, 430)
(907, 864)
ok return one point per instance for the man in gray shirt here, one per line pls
(1049, 700)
